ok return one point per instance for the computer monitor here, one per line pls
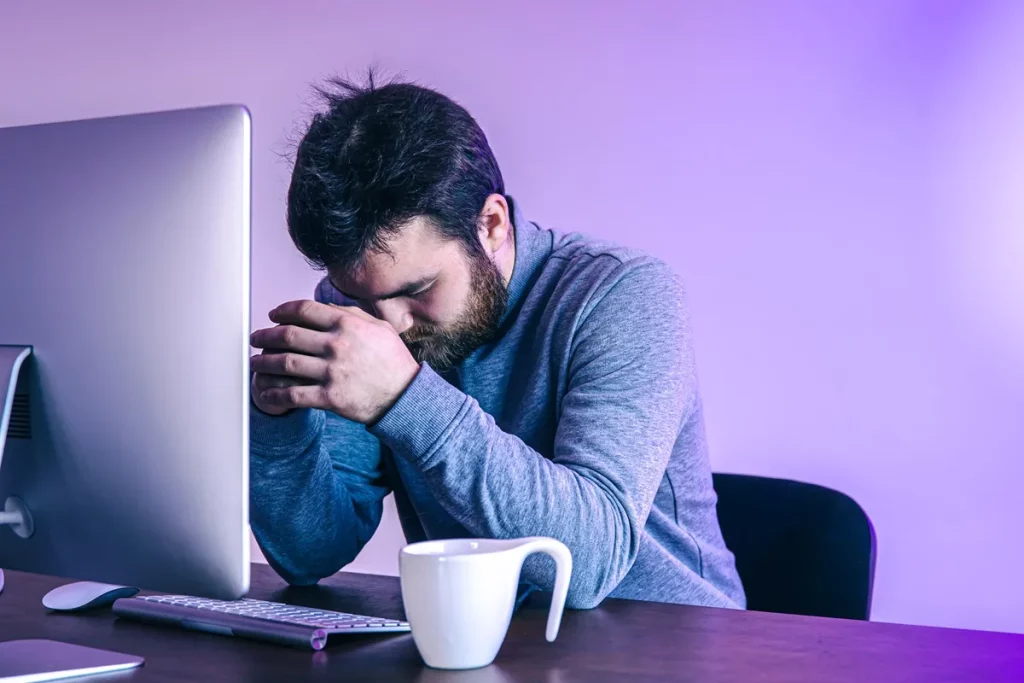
(124, 271)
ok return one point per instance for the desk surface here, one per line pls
(620, 640)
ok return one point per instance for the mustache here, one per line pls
(420, 334)
(444, 346)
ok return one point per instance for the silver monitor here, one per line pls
(124, 292)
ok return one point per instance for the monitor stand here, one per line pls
(14, 514)
(11, 360)
(39, 660)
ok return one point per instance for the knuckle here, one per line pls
(289, 363)
(336, 347)
(335, 374)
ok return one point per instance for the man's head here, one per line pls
(397, 195)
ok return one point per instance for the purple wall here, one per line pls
(839, 183)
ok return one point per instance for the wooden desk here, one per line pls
(620, 641)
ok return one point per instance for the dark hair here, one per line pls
(379, 156)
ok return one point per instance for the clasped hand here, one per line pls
(337, 358)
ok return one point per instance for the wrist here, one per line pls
(418, 421)
(409, 376)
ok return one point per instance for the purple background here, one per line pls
(840, 183)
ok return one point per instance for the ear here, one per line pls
(495, 224)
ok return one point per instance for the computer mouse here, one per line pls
(83, 595)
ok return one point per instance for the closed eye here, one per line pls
(421, 292)
(413, 290)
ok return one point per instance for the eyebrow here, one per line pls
(406, 290)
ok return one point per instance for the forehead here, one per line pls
(414, 252)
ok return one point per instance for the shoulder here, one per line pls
(629, 314)
(325, 293)
(605, 270)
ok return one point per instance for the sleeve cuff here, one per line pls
(291, 432)
(422, 417)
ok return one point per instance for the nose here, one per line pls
(394, 314)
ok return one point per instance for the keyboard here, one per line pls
(303, 627)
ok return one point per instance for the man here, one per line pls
(501, 379)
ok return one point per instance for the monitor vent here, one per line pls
(20, 426)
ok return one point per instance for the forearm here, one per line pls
(302, 517)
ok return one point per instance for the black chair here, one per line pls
(800, 548)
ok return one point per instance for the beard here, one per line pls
(442, 348)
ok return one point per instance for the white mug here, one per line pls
(459, 595)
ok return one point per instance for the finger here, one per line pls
(291, 338)
(290, 365)
(306, 313)
(262, 382)
(300, 396)
(358, 312)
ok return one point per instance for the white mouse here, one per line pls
(83, 595)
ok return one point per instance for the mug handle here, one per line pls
(563, 571)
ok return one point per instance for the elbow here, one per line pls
(602, 563)
(293, 576)
(595, 577)
(296, 565)
(584, 598)
(590, 592)
(294, 573)
(299, 579)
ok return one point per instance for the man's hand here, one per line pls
(261, 383)
(336, 358)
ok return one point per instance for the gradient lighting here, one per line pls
(838, 183)
(980, 185)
